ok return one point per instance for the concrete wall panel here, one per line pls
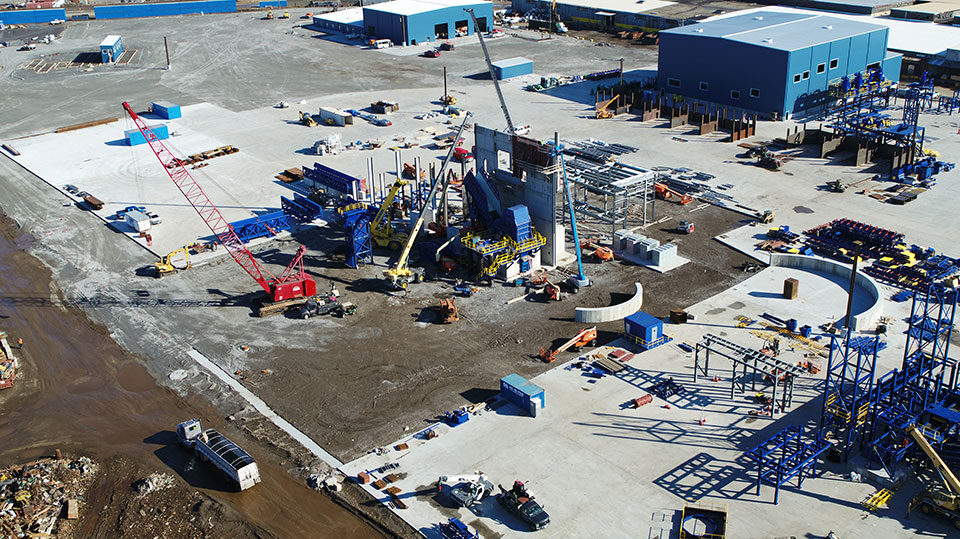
(613, 312)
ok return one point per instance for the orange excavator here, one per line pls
(663, 191)
(586, 337)
(601, 253)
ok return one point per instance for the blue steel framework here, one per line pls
(299, 210)
(846, 397)
(784, 456)
(356, 228)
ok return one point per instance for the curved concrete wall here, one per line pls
(613, 312)
(868, 318)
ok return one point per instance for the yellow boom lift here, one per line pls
(382, 229)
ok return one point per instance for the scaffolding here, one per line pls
(784, 456)
(608, 192)
(847, 392)
(755, 362)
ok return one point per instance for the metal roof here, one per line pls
(110, 41)
(413, 7)
(510, 62)
(778, 30)
(343, 16)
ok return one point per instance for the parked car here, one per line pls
(432, 53)
(70, 188)
(123, 213)
(154, 218)
(462, 154)
(447, 46)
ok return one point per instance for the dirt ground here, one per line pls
(391, 369)
(79, 392)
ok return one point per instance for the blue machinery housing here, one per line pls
(801, 56)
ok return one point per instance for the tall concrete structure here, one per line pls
(524, 171)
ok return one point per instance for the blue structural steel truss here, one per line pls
(926, 378)
(299, 210)
(784, 456)
(848, 388)
(356, 227)
(332, 178)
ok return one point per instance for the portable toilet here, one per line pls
(645, 330)
(110, 49)
(525, 394)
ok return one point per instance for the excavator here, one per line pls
(664, 191)
(165, 266)
(382, 230)
(400, 275)
(944, 499)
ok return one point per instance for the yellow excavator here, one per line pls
(382, 230)
(400, 275)
(307, 119)
(165, 266)
(942, 499)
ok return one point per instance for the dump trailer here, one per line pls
(216, 448)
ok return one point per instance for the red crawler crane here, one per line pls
(293, 283)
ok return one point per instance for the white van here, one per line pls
(382, 43)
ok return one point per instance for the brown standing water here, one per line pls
(79, 392)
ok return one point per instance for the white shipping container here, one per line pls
(137, 221)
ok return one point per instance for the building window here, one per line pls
(796, 78)
(806, 75)
(834, 63)
(734, 94)
(754, 92)
(704, 86)
(673, 83)
(821, 68)
(874, 65)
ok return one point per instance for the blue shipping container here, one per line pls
(513, 67)
(135, 137)
(32, 16)
(110, 49)
(166, 110)
(526, 395)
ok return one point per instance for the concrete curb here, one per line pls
(613, 312)
(868, 318)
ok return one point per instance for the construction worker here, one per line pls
(19, 344)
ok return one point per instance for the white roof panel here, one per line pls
(412, 7)
(916, 37)
(343, 16)
(109, 41)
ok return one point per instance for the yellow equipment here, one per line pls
(382, 230)
(603, 112)
(767, 217)
(448, 100)
(941, 499)
(286, 15)
(165, 265)
(307, 119)
(400, 275)
(270, 14)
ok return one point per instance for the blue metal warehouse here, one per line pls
(774, 63)
(409, 22)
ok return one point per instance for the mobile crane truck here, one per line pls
(212, 446)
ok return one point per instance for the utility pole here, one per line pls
(621, 75)
(853, 283)
(167, 49)
(445, 98)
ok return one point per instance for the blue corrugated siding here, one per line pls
(420, 27)
(274, 3)
(727, 65)
(165, 9)
(32, 16)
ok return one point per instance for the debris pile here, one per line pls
(34, 496)
(153, 482)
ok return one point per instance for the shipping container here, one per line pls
(135, 137)
(166, 110)
(646, 329)
(110, 49)
(513, 67)
(528, 396)
(138, 221)
(332, 116)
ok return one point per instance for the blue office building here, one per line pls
(776, 64)
(409, 22)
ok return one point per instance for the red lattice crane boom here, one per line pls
(293, 282)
